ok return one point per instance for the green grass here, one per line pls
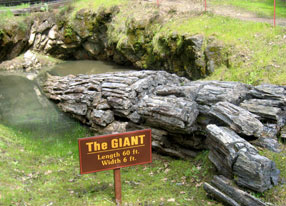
(22, 6)
(258, 51)
(7, 14)
(276, 194)
(94, 4)
(42, 170)
(264, 8)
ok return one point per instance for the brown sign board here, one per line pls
(114, 151)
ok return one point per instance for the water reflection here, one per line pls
(85, 67)
(24, 106)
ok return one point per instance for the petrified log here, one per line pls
(268, 91)
(283, 133)
(181, 114)
(174, 114)
(263, 109)
(234, 156)
(218, 195)
(212, 92)
(269, 143)
(224, 190)
(237, 118)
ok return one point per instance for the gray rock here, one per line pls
(74, 108)
(218, 195)
(255, 172)
(267, 113)
(53, 32)
(93, 48)
(268, 91)
(167, 151)
(237, 118)
(170, 113)
(270, 131)
(178, 91)
(234, 156)
(265, 102)
(101, 118)
(212, 92)
(112, 128)
(224, 145)
(283, 133)
(226, 187)
(268, 143)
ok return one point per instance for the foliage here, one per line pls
(44, 7)
(6, 14)
(68, 31)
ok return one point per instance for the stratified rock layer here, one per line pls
(185, 116)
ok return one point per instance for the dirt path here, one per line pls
(197, 6)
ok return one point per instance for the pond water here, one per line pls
(24, 106)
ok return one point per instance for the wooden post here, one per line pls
(157, 3)
(117, 186)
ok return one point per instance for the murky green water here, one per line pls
(85, 67)
(24, 106)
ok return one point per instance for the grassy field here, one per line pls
(22, 6)
(257, 50)
(91, 4)
(264, 8)
(44, 170)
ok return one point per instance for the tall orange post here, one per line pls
(206, 5)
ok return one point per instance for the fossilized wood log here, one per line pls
(223, 189)
(240, 120)
(211, 92)
(234, 156)
(185, 116)
(218, 195)
(265, 110)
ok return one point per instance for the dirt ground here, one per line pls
(198, 6)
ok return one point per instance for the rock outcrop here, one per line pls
(13, 39)
(103, 35)
(183, 117)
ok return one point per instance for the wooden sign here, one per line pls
(114, 151)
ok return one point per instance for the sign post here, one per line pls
(112, 152)
(117, 186)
